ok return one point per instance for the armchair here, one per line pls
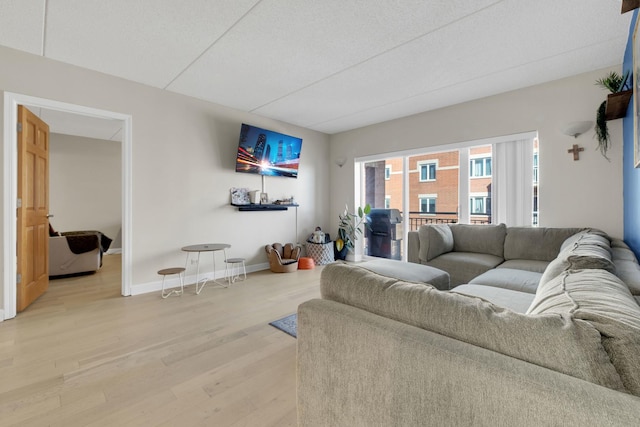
(283, 259)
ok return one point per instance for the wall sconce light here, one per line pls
(340, 161)
(576, 129)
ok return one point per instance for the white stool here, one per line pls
(168, 271)
(231, 264)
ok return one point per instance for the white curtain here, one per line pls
(512, 186)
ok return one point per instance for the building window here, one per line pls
(427, 204)
(387, 172)
(387, 202)
(480, 205)
(480, 167)
(427, 171)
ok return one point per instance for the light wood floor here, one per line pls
(83, 355)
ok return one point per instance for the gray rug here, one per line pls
(287, 324)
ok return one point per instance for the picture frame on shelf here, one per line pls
(636, 101)
(264, 199)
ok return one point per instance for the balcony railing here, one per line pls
(417, 219)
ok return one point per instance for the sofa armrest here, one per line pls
(413, 240)
(358, 368)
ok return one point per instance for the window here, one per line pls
(480, 205)
(535, 167)
(427, 171)
(480, 167)
(387, 172)
(427, 203)
(387, 202)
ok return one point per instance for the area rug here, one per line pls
(287, 324)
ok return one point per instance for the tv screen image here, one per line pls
(266, 152)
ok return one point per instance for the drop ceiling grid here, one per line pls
(277, 49)
(147, 42)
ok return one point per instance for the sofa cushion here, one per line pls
(507, 298)
(482, 239)
(629, 273)
(409, 272)
(525, 264)
(604, 301)
(435, 240)
(625, 254)
(509, 278)
(577, 348)
(464, 266)
(537, 243)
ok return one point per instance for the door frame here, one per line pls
(10, 190)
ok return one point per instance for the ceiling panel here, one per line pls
(149, 41)
(21, 24)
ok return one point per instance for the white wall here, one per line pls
(183, 165)
(85, 184)
(580, 193)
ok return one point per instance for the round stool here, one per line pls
(306, 263)
(169, 271)
(231, 264)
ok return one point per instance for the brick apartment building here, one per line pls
(434, 186)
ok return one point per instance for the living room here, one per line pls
(183, 151)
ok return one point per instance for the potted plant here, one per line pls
(349, 228)
(614, 107)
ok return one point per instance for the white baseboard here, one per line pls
(1, 315)
(173, 281)
(113, 251)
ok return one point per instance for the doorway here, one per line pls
(11, 102)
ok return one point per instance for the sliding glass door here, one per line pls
(481, 183)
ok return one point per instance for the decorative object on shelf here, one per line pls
(576, 151)
(255, 196)
(289, 201)
(264, 199)
(239, 196)
(575, 129)
(350, 227)
(613, 108)
(629, 5)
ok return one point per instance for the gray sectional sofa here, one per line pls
(543, 330)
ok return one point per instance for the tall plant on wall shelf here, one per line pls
(616, 84)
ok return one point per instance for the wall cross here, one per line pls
(576, 151)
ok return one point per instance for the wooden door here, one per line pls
(33, 208)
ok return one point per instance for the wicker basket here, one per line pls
(322, 253)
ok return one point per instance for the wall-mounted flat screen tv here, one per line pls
(266, 152)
